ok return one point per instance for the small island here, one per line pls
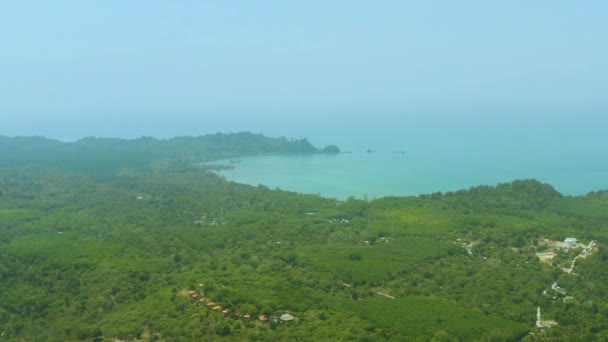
(331, 149)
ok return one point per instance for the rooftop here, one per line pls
(287, 317)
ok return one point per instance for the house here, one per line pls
(217, 307)
(263, 318)
(201, 300)
(287, 317)
(247, 315)
(570, 242)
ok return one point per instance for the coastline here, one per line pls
(381, 174)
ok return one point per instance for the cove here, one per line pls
(386, 173)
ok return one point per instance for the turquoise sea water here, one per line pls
(449, 147)
(570, 169)
(565, 147)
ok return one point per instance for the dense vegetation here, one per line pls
(103, 239)
(99, 154)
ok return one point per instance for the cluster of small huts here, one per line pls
(216, 307)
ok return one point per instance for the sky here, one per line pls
(319, 69)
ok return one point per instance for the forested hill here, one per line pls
(133, 240)
(517, 195)
(110, 153)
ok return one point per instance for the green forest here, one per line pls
(141, 240)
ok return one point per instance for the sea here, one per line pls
(413, 151)
(384, 173)
(400, 161)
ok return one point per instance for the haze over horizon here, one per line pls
(390, 71)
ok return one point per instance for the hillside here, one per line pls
(100, 154)
(139, 253)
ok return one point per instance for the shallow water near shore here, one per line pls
(385, 173)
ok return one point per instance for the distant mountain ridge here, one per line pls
(102, 153)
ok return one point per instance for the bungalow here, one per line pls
(201, 300)
(217, 307)
(263, 318)
(287, 317)
(570, 242)
(225, 311)
(247, 315)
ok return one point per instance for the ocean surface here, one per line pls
(446, 148)
(572, 169)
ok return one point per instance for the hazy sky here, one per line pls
(298, 68)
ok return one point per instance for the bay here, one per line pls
(572, 171)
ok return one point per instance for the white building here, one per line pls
(570, 242)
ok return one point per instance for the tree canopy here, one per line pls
(155, 247)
